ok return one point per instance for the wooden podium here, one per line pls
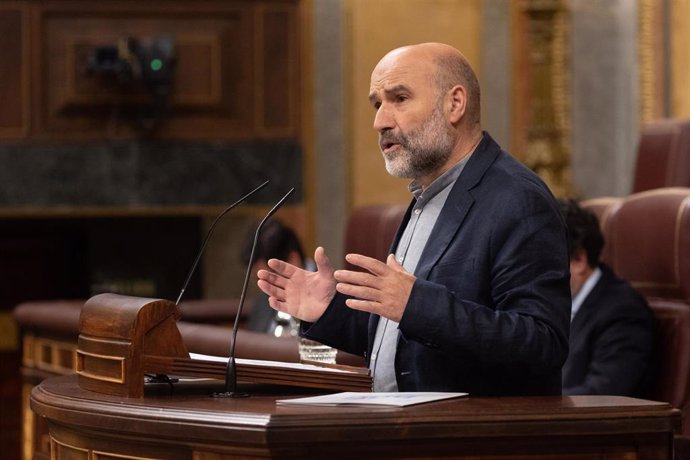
(123, 338)
(116, 334)
(106, 411)
(185, 423)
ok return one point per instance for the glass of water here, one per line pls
(311, 350)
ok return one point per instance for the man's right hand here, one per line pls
(300, 293)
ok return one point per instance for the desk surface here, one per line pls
(191, 422)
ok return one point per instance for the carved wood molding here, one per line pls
(651, 57)
(542, 127)
(237, 74)
(679, 22)
(15, 70)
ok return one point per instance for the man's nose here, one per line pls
(384, 119)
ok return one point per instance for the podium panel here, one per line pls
(185, 422)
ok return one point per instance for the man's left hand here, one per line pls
(383, 289)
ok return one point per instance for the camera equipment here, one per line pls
(132, 63)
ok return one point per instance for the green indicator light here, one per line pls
(156, 65)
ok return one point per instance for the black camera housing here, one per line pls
(149, 61)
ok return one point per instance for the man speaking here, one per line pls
(475, 297)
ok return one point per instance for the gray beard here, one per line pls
(422, 151)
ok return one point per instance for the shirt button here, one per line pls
(417, 211)
(400, 259)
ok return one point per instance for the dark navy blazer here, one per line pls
(490, 310)
(611, 342)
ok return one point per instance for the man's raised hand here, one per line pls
(300, 293)
(383, 289)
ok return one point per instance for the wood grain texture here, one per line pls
(189, 424)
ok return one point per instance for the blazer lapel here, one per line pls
(454, 212)
(457, 205)
(455, 209)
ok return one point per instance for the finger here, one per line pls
(363, 305)
(281, 267)
(359, 278)
(277, 304)
(368, 263)
(271, 290)
(360, 292)
(272, 278)
(323, 263)
(393, 263)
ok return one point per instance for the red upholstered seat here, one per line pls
(650, 236)
(663, 155)
(649, 239)
(673, 332)
(371, 229)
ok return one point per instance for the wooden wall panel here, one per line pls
(236, 75)
(276, 75)
(14, 70)
(213, 91)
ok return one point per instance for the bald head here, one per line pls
(426, 101)
(448, 68)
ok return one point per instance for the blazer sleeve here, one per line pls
(340, 327)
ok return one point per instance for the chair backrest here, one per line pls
(371, 229)
(649, 238)
(663, 155)
(673, 345)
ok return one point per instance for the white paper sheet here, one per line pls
(398, 399)
(263, 363)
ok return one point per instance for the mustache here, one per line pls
(387, 138)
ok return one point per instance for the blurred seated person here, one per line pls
(612, 328)
(278, 241)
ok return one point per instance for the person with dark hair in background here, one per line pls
(612, 328)
(276, 240)
(474, 297)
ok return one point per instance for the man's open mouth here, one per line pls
(386, 146)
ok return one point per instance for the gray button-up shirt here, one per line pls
(426, 210)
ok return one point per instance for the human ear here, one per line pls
(458, 103)
(578, 262)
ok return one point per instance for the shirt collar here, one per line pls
(584, 291)
(439, 183)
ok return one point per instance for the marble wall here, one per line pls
(497, 80)
(605, 96)
(330, 159)
(147, 174)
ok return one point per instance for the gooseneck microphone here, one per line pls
(208, 236)
(231, 369)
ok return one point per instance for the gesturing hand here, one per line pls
(300, 293)
(384, 290)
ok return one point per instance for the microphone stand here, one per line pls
(231, 368)
(162, 378)
(208, 236)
